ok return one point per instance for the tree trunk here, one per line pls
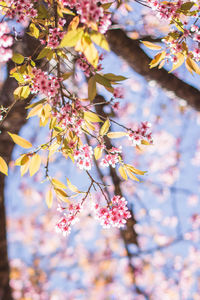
(13, 123)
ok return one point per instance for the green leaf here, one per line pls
(102, 80)
(187, 5)
(18, 58)
(42, 12)
(113, 77)
(44, 53)
(92, 89)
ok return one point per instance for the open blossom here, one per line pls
(6, 41)
(64, 224)
(141, 132)
(118, 92)
(69, 116)
(114, 215)
(21, 10)
(44, 83)
(54, 37)
(112, 158)
(83, 157)
(90, 12)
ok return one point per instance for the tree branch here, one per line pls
(130, 51)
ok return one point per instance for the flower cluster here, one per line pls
(174, 46)
(21, 10)
(114, 215)
(86, 67)
(140, 133)
(70, 116)
(175, 41)
(5, 42)
(65, 222)
(83, 157)
(44, 83)
(54, 37)
(168, 11)
(90, 12)
(112, 158)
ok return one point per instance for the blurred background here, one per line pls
(158, 255)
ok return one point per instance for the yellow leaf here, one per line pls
(100, 40)
(97, 152)
(191, 65)
(131, 175)
(58, 184)
(128, 7)
(104, 129)
(89, 125)
(71, 38)
(143, 142)
(34, 31)
(34, 164)
(151, 45)
(115, 135)
(161, 64)
(21, 92)
(3, 166)
(180, 61)
(25, 165)
(86, 46)
(91, 117)
(20, 141)
(157, 59)
(134, 170)
(25, 92)
(49, 198)
(21, 160)
(67, 11)
(35, 111)
(61, 195)
(17, 92)
(72, 187)
(122, 172)
(74, 23)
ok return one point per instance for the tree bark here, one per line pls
(137, 59)
(13, 123)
